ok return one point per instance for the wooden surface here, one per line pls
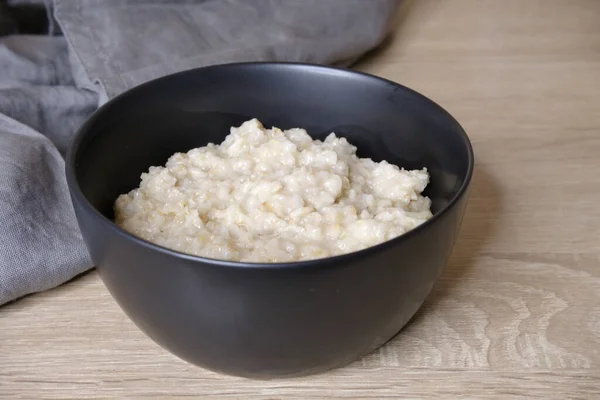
(516, 314)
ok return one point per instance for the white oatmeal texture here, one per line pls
(267, 195)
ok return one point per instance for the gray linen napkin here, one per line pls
(40, 245)
(50, 84)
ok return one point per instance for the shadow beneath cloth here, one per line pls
(399, 22)
(32, 299)
(25, 19)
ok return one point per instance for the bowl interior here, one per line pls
(146, 125)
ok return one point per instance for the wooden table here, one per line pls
(516, 314)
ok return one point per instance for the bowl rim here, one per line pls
(78, 196)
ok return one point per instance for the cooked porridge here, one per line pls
(267, 195)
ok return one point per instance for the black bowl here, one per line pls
(268, 320)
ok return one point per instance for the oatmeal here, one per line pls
(267, 195)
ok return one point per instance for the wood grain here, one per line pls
(515, 315)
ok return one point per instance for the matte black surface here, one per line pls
(268, 320)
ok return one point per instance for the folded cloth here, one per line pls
(50, 84)
(119, 44)
(40, 245)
